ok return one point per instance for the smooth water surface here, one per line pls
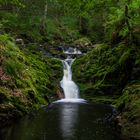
(65, 121)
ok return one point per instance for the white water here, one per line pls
(71, 90)
(72, 51)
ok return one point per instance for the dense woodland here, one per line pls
(108, 30)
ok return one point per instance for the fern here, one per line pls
(125, 57)
(124, 32)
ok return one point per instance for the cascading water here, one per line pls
(71, 90)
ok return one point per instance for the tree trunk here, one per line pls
(43, 20)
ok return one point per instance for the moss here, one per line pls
(13, 68)
(129, 105)
(101, 72)
(125, 56)
(16, 101)
(123, 100)
(82, 41)
(3, 95)
(111, 75)
(27, 76)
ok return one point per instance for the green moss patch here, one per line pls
(26, 77)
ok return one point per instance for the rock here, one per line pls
(60, 93)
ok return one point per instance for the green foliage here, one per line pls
(51, 27)
(13, 68)
(14, 57)
(114, 18)
(19, 104)
(125, 56)
(5, 38)
(111, 75)
(106, 70)
(9, 21)
(129, 103)
(124, 32)
(69, 20)
(26, 76)
(13, 2)
(3, 95)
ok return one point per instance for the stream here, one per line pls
(71, 118)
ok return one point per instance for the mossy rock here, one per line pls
(82, 41)
(129, 105)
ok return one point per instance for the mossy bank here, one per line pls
(112, 75)
(27, 78)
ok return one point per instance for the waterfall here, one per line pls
(71, 90)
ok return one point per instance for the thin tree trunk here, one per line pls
(43, 20)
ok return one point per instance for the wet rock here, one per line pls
(60, 93)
